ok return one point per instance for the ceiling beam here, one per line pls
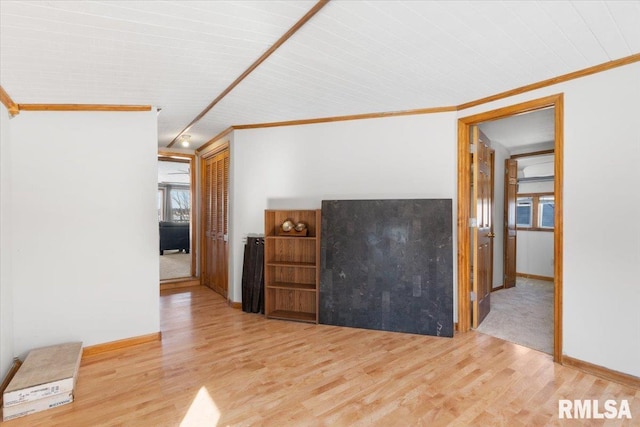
(348, 117)
(315, 9)
(8, 102)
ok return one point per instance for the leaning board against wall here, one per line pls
(387, 265)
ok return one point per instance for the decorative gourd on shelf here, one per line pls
(292, 228)
(288, 225)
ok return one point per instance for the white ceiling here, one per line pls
(353, 57)
(173, 172)
(529, 131)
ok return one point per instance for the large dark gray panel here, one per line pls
(387, 265)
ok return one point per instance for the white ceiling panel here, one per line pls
(353, 57)
(176, 55)
(601, 23)
(532, 129)
(626, 14)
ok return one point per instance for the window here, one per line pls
(180, 204)
(160, 204)
(535, 211)
(546, 211)
(524, 212)
(174, 202)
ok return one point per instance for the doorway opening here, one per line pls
(175, 218)
(521, 309)
(471, 235)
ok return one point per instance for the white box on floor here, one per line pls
(16, 411)
(47, 371)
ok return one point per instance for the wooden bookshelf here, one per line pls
(292, 266)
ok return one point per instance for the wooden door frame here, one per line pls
(203, 157)
(167, 155)
(464, 177)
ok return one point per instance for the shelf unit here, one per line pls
(291, 266)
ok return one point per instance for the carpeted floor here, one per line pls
(174, 264)
(522, 315)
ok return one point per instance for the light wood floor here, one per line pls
(245, 370)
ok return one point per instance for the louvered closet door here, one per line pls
(215, 206)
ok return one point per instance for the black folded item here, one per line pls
(253, 276)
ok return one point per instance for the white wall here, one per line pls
(534, 253)
(535, 187)
(299, 166)
(601, 320)
(85, 235)
(6, 284)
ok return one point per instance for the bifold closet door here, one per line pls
(215, 208)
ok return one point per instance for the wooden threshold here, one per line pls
(602, 372)
(179, 283)
(120, 344)
(535, 276)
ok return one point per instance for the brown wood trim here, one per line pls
(464, 256)
(534, 276)
(533, 153)
(223, 146)
(455, 327)
(602, 372)
(324, 120)
(307, 16)
(172, 159)
(557, 101)
(10, 374)
(6, 100)
(510, 110)
(535, 194)
(566, 77)
(175, 156)
(179, 283)
(497, 288)
(347, 118)
(554, 80)
(234, 304)
(215, 139)
(82, 107)
(558, 236)
(92, 350)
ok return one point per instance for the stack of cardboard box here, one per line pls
(46, 379)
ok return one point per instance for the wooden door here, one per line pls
(482, 232)
(510, 233)
(215, 212)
